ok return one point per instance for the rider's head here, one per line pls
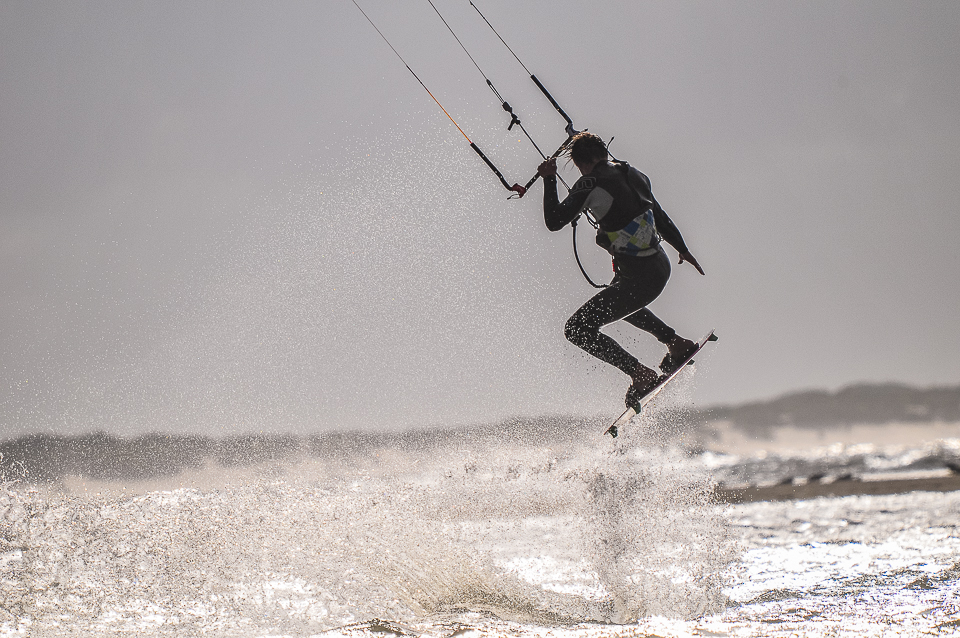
(587, 149)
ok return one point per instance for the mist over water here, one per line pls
(368, 291)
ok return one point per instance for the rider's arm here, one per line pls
(667, 229)
(557, 214)
(665, 226)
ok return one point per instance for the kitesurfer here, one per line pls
(630, 226)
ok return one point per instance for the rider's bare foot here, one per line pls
(679, 349)
(680, 346)
(643, 379)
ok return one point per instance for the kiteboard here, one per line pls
(661, 383)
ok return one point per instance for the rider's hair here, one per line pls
(587, 147)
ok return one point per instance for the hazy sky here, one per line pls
(233, 216)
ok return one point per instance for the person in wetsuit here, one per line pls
(631, 226)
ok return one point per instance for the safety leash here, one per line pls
(576, 254)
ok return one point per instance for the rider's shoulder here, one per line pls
(585, 183)
(635, 174)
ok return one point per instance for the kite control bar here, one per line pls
(555, 155)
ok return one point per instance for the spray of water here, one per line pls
(334, 308)
(551, 534)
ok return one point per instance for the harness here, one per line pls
(638, 237)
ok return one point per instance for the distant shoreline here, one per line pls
(875, 404)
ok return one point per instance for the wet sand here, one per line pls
(847, 487)
(727, 439)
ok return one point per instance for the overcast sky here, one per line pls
(224, 217)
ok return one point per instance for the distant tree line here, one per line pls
(39, 458)
(855, 404)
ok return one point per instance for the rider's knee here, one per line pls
(575, 330)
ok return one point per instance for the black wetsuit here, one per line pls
(617, 195)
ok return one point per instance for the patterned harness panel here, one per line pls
(638, 238)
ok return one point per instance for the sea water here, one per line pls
(585, 537)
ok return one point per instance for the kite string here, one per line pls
(411, 70)
(515, 119)
(501, 39)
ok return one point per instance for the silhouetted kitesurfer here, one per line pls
(631, 225)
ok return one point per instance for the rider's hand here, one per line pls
(688, 257)
(548, 167)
